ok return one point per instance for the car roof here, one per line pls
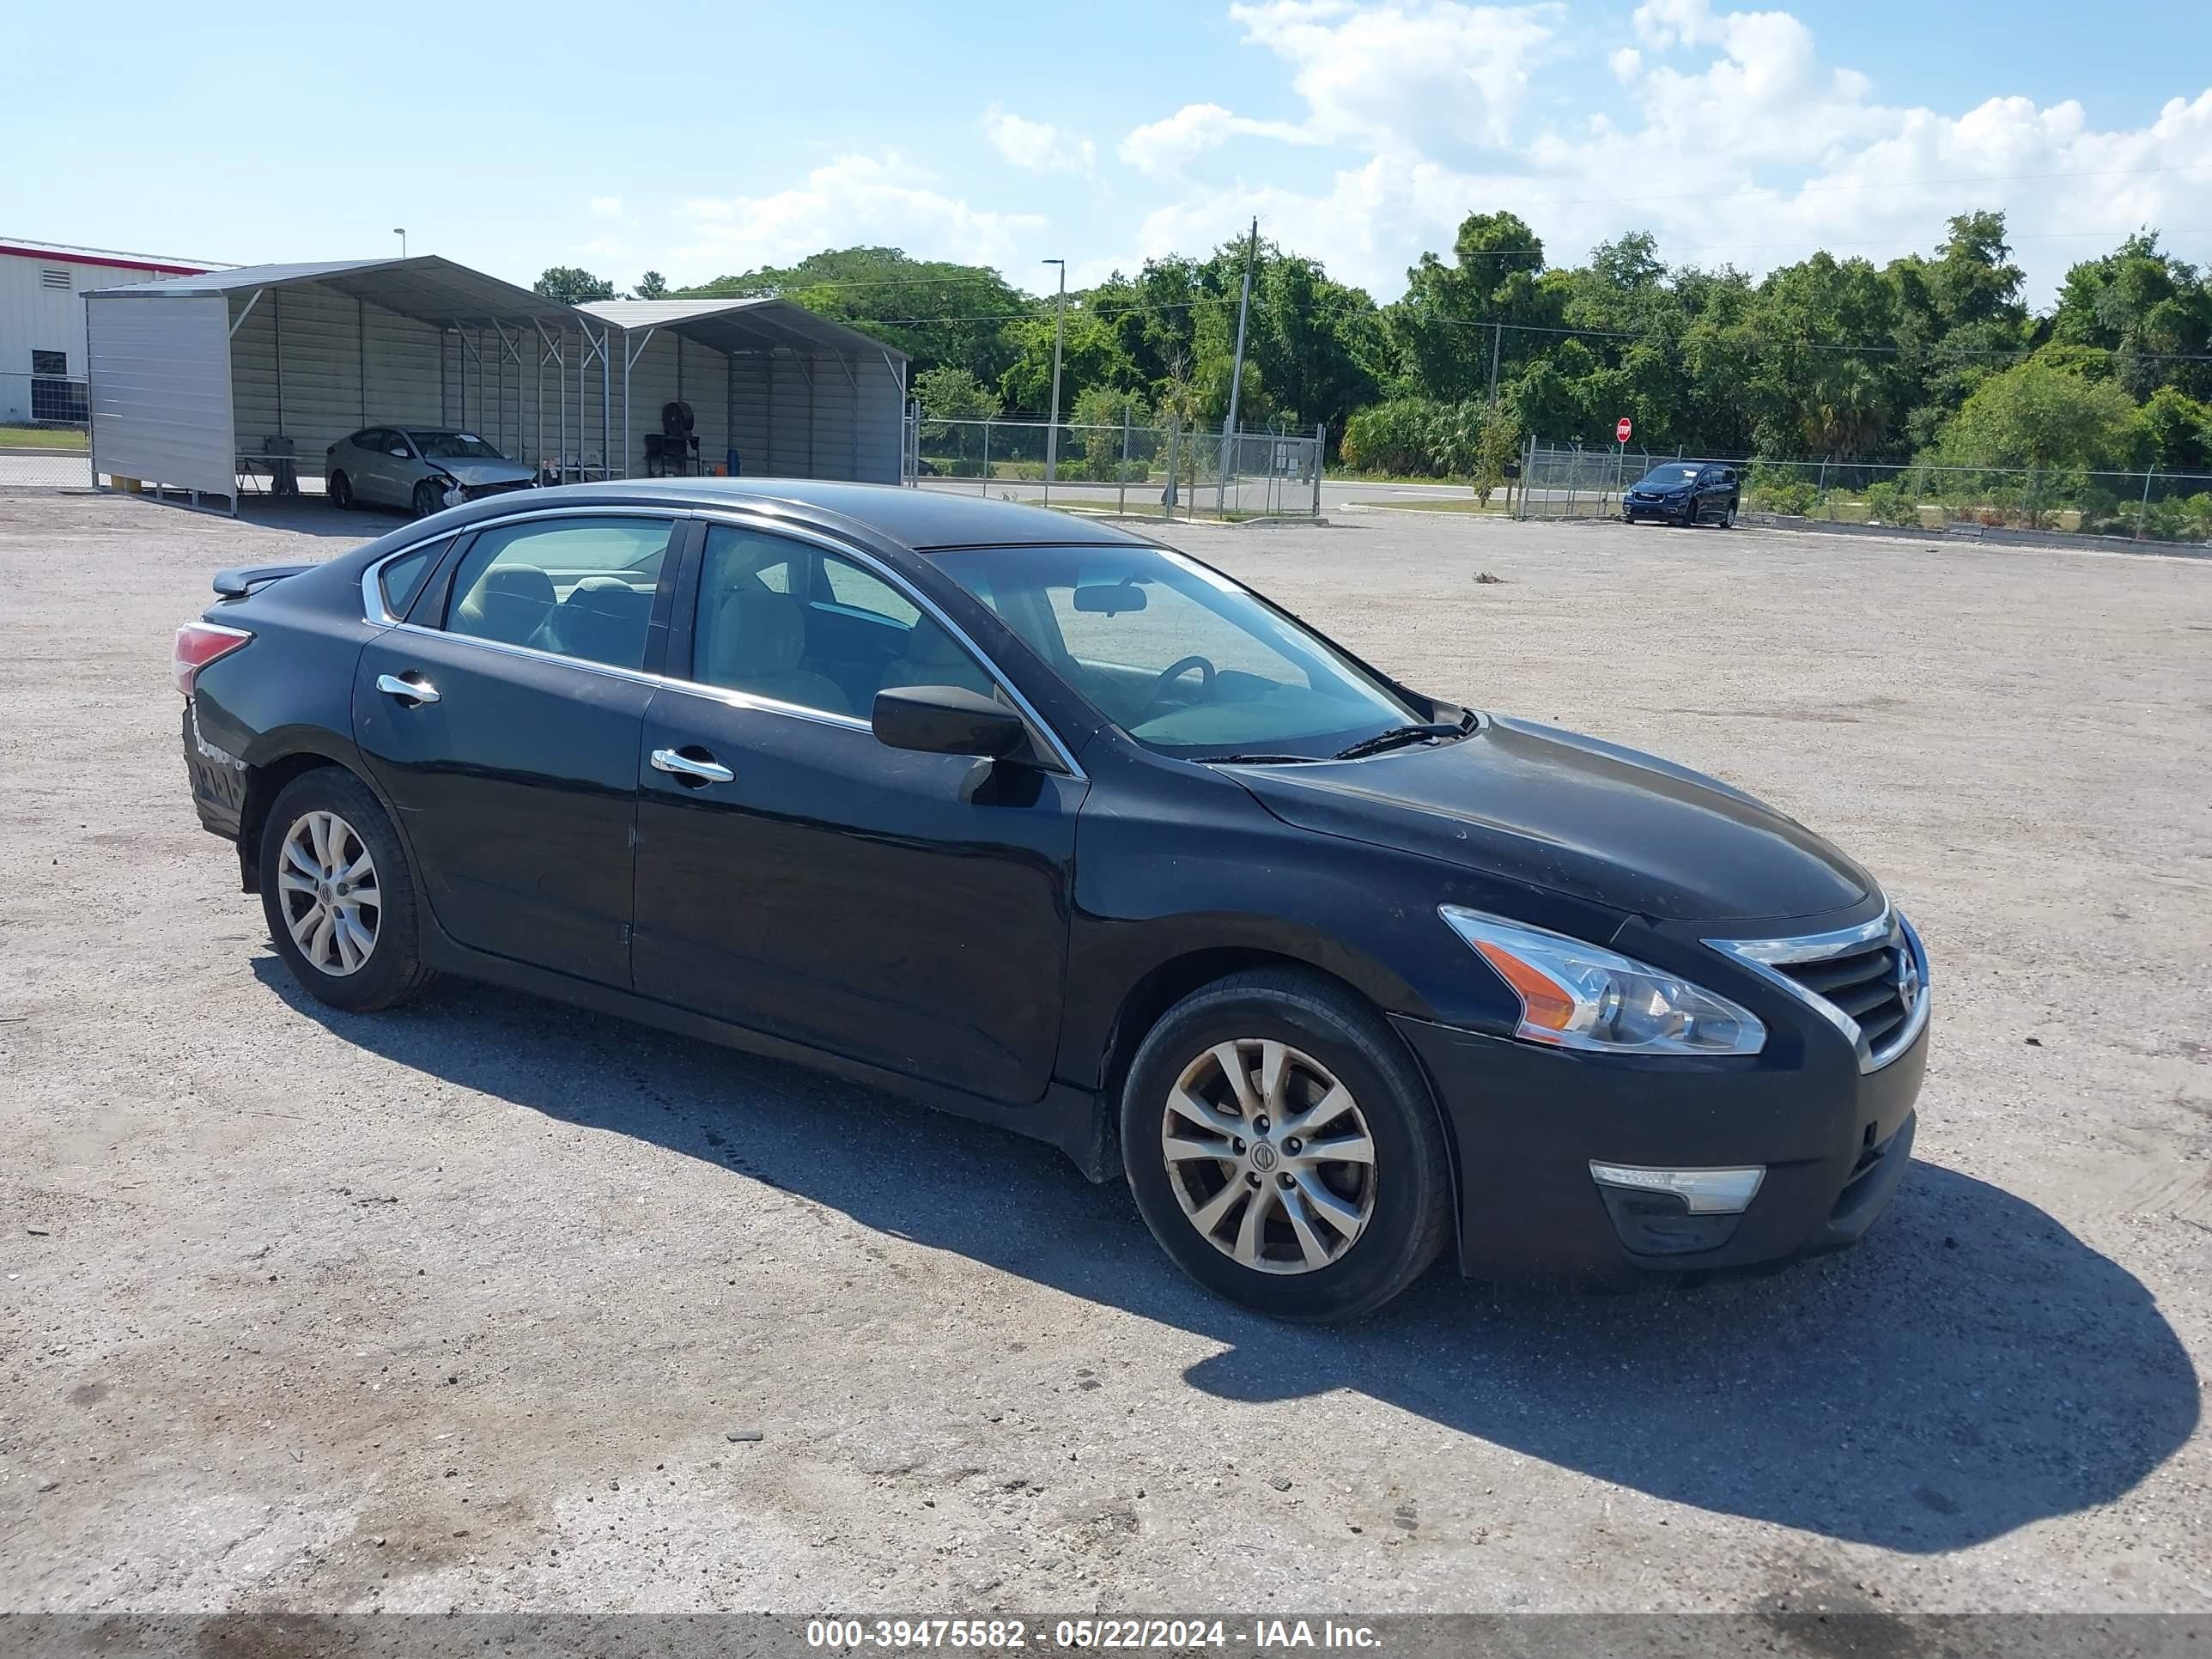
(924, 520)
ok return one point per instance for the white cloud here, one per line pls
(1037, 146)
(1432, 78)
(1167, 146)
(607, 207)
(1740, 144)
(878, 199)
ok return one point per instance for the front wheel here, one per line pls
(429, 498)
(1283, 1148)
(339, 894)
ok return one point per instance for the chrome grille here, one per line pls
(1869, 982)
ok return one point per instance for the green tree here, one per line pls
(2179, 431)
(571, 285)
(936, 312)
(1442, 327)
(2040, 417)
(652, 286)
(953, 393)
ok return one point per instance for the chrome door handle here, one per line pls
(413, 690)
(682, 766)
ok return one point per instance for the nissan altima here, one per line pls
(1045, 823)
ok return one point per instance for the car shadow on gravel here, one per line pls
(1971, 1368)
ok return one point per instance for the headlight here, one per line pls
(1578, 995)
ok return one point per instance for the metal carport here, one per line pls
(774, 390)
(203, 383)
(198, 380)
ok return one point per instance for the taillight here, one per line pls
(199, 644)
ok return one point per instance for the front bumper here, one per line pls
(1528, 1122)
(1663, 506)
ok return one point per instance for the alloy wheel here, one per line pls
(1269, 1156)
(327, 887)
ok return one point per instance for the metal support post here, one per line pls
(985, 488)
(1122, 484)
(1321, 452)
(2142, 509)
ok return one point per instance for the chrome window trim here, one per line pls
(373, 612)
(1761, 955)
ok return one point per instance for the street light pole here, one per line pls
(1236, 378)
(400, 231)
(1059, 334)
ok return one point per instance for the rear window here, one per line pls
(402, 580)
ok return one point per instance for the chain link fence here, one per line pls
(1569, 481)
(45, 433)
(1157, 471)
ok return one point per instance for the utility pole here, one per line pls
(1059, 334)
(1497, 338)
(1236, 373)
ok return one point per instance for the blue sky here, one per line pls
(700, 140)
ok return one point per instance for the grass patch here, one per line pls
(1444, 504)
(42, 437)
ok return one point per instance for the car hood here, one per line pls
(1573, 815)
(482, 472)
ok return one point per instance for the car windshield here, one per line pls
(1671, 475)
(454, 447)
(1178, 656)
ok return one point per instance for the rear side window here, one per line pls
(402, 580)
(577, 587)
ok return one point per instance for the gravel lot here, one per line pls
(471, 1304)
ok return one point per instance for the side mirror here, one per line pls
(399, 454)
(946, 720)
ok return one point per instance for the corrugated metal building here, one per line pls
(42, 348)
(198, 379)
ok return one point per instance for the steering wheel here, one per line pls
(1175, 672)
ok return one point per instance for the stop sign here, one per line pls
(1621, 430)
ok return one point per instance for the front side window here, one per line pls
(1178, 656)
(786, 620)
(579, 587)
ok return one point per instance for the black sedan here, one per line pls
(1684, 493)
(1048, 824)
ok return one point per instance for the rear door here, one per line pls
(503, 720)
(797, 876)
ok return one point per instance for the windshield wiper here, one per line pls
(1260, 760)
(1398, 735)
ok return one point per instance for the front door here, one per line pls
(797, 876)
(504, 725)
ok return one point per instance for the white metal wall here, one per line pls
(36, 318)
(817, 417)
(345, 364)
(668, 369)
(162, 392)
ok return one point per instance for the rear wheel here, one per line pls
(429, 498)
(340, 490)
(339, 894)
(1282, 1149)
(1728, 517)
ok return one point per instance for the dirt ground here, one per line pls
(477, 1303)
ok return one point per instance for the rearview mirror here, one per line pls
(1110, 598)
(946, 720)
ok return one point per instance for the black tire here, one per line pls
(1412, 1205)
(394, 970)
(429, 498)
(1728, 517)
(340, 490)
